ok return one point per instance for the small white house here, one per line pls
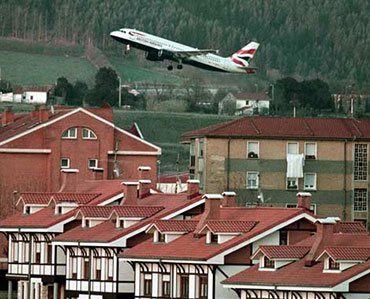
(35, 97)
(245, 103)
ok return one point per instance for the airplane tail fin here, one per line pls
(245, 54)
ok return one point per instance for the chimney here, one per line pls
(229, 199)
(211, 211)
(144, 172)
(130, 193)
(35, 112)
(43, 114)
(7, 116)
(144, 188)
(98, 173)
(325, 231)
(212, 206)
(193, 188)
(304, 200)
(69, 180)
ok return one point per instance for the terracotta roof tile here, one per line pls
(287, 127)
(176, 225)
(349, 253)
(95, 211)
(350, 227)
(35, 198)
(282, 252)
(230, 226)
(136, 211)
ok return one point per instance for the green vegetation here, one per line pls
(37, 69)
(165, 130)
(300, 38)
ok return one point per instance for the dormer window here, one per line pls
(161, 237)
(88, 134)
(120, 223)
(332, 265)
(87, 223)
(267, 263)
(213, 238)
(71, 133)
(27, 210)
(59, 210)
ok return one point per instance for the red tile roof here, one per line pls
(295, 274)
(106, 231)
(43, 198)
(287, 128)
(136, 211)
(95, 211)
(195, 248)
(350, 227)
(284, 252)
(176, 225)
(349, 253)
(298, 274)
(230, 226)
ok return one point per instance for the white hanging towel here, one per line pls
(295, 164)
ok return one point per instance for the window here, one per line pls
(360, 200)
(50, 254)
(213, 238)
(267, 263)
(252, 180)
(252, 149)
(74, 268)
(292, 183)
(97, 268)
(203, 286)
(71, 133)
(310, 181)
(147, 285)
(201, 148)
(292, 148)
(27, 210)
(283, 237)
(310, 150)
(161, 237)
(64, 163)
(333, 265)
(93, 163)
(192, 154)
(86, 268)
(110, 269)
(166, 287)
(88, 134)
(184, 286)
(360, 162)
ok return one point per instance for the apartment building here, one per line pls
(35, 146)
(189, 258)
(266, 160)
(330, 265)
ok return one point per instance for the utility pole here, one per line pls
(119, 92)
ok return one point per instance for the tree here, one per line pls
(105, 89)
(63, 88)
(5, 86)
(78, 93)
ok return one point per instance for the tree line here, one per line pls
(301, 38)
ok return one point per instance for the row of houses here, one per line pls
(124, 240)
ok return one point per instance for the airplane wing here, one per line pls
(248, 69)
(190, 53)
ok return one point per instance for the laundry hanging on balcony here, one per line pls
(295, 163)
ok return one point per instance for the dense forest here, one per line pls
(301, 38)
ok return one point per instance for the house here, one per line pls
(36, 268)
(93, 267)
(189, 258)
(248, 103)
(37, 145)
(335, 263)
(269, 159)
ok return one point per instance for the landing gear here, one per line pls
(127, 49)
(179, 66)
(170, 67)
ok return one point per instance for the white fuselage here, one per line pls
(148, 42)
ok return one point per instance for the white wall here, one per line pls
(39, 97)
(222, 292)
(272, 239)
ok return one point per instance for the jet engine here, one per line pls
(154, 55)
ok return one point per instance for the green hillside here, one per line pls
(36, 69)
(165, 129)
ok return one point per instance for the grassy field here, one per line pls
(37, 69)
(165, 129)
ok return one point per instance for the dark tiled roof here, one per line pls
(287, 127)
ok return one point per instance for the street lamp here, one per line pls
(119, 91)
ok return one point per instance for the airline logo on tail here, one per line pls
(244, 55)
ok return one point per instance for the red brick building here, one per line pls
(35, 146)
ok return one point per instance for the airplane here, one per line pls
(159, 49)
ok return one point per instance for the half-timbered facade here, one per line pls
(93, 267)
(36, 266)
(333, 264)
(189, 258)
